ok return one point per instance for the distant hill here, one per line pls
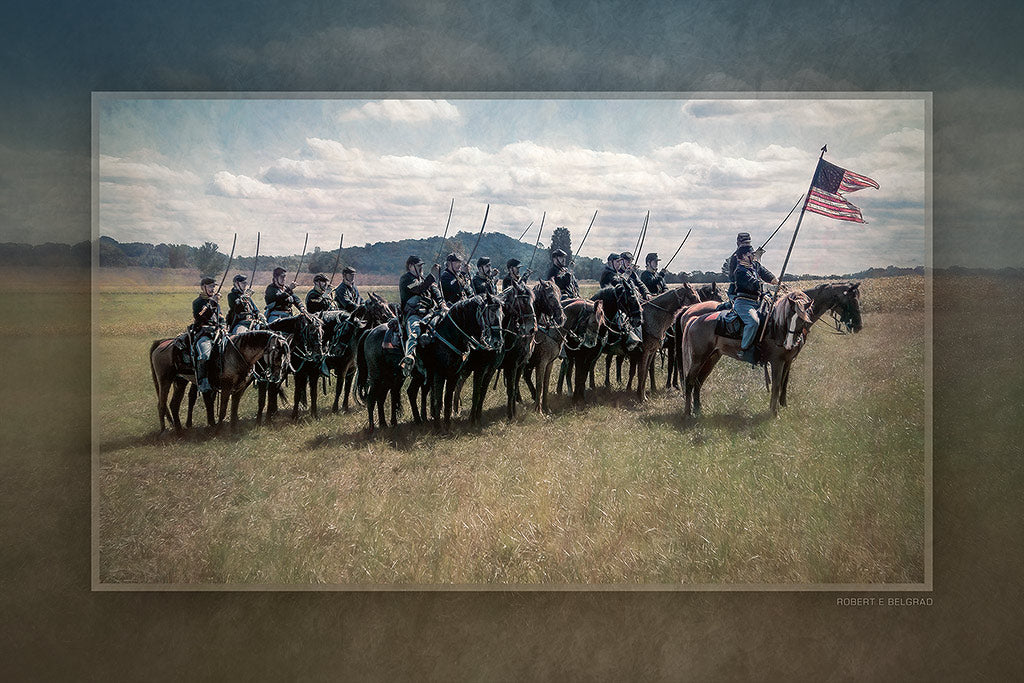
(385, 259)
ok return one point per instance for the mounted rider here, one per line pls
(611, 270)
(652, 278)
(451, 283)
(243, 313)
(631, 278)
(280, 298)
(483, 281)
(729, 267)
(419, 296)
(346, 295)
(563, 276)
(207, 328)
(748, 299)
(512, 277)
(320, 298)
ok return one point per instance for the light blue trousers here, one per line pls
(747, 310)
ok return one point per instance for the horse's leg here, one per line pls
(640, 369)
(777, 370)
(411, 392)
(223, 396)
(480, 381)
(510, 395)
(704, 369)
(543, 388)
(396, 397)
(457, 400)
(618, 369)
(235, 399)
(193, 395)
(314, 380)
(208, 399)
(529, 383)
(651, 371)
(339, 385)
(177, 389)
(785, 382)
(449, 392)
(436, 394)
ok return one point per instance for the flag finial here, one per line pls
(824, 148)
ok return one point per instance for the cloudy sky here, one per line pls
(191, 170)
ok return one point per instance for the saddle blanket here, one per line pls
(728, 323)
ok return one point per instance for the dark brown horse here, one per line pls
(470, 324)
(232, 373)
(379, 371)
(305, 334)
(659, 314)
(342, 341)
(521, 334)
(787, 329)
(581, 328)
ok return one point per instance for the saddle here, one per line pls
(393, 337)
(728, 323)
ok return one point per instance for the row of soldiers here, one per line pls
(422, 296)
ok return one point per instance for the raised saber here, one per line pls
(535, 245)
(665, 268)
(526, 231)
(441, 248)
(234, 240)
(638, 237)
(585, 236)
(643, 238)
(472, 253)
(337, 260)
(255, 260)
(301, 259)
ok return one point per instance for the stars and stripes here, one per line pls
(829, 182)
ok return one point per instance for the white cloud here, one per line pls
(403, 111)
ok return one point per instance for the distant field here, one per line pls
(831, 492)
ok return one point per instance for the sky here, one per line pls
(57, 53)
(195, 170)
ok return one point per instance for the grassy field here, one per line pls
(831, 492)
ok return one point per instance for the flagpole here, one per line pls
(799, 220)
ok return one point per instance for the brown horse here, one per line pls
(674, 337)
(581, 327)
(659, 314)
(231, 378)
(787, 329)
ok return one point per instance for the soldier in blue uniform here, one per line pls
(630, 276)
(347, 294)
(418, 296)
(280, 298)
(563, 276)
(483, 281)
(451, 283)
(207, 326)
(320, 298)
(243, 314)
(729, 267)
(512, 266)
(748, 298)
(611, 271)
(652, 278)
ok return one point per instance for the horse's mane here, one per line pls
(792, 302)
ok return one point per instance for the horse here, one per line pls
(470, 324)
(674, 338)
(343, 341)
(306, 334)
(614, 298)
(379, 372)
(659, 314)
(231, 376)
(580, 328)
(543, 301)
(787, 329)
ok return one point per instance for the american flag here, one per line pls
(825, 198)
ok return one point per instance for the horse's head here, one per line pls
(518, 309)
(710, 292)
(548, 301)
(488, 317)
(377, 310)
(276, 359)
(847, 306)
(309, 335)
(628, 300)
(686, 295)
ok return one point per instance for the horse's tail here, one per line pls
(362, 373)
(152, 368)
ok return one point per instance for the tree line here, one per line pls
(380, 258)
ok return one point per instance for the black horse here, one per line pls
(306, 338)
(470, 324)
(343, 331)
(614, 299)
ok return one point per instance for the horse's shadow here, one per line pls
(735, 422)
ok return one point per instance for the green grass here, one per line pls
(831, 492)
